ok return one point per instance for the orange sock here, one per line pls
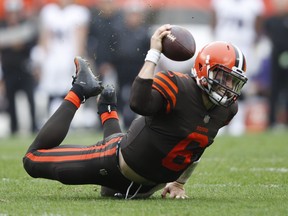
(106, 115)
(73, 98)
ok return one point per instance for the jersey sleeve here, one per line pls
(144, 100)
(166, 84)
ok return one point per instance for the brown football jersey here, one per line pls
(160, 147)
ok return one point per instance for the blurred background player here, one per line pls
(276, 28)
(117, 42)
(63, 35)
(106, 18)
(132, 45)
(239, 22)
(18, 36)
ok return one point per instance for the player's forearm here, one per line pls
(187, 173)
(147, 71)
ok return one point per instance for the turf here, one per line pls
(246, 175)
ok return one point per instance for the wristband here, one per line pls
(153, 55)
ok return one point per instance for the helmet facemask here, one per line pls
(223, 85)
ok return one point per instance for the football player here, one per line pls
(180, 117)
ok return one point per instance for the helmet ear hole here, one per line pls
(200, 66)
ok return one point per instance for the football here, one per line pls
(179, 45)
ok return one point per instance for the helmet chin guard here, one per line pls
(218, 99)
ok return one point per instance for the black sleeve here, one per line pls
(144, 100)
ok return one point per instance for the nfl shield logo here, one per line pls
(206, 119)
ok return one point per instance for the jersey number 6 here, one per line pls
(180, 156)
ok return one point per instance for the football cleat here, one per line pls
(86, 79)
(108, 100)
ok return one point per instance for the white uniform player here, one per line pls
(62, 37)
(238, 22)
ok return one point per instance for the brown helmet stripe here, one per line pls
(240, 61)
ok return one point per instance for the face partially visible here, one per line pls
(281, 6)
(223, 78)
(14, 11)
(107, 7)
(64, 3)
(226, 84)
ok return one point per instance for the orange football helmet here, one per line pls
(219, 70)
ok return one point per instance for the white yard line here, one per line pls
(257, 169)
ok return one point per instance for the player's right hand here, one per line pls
(156, 39)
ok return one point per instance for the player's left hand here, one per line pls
(175, 189)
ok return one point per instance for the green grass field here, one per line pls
(245, 176)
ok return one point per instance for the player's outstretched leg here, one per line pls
(107, 110)
(85, 84)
